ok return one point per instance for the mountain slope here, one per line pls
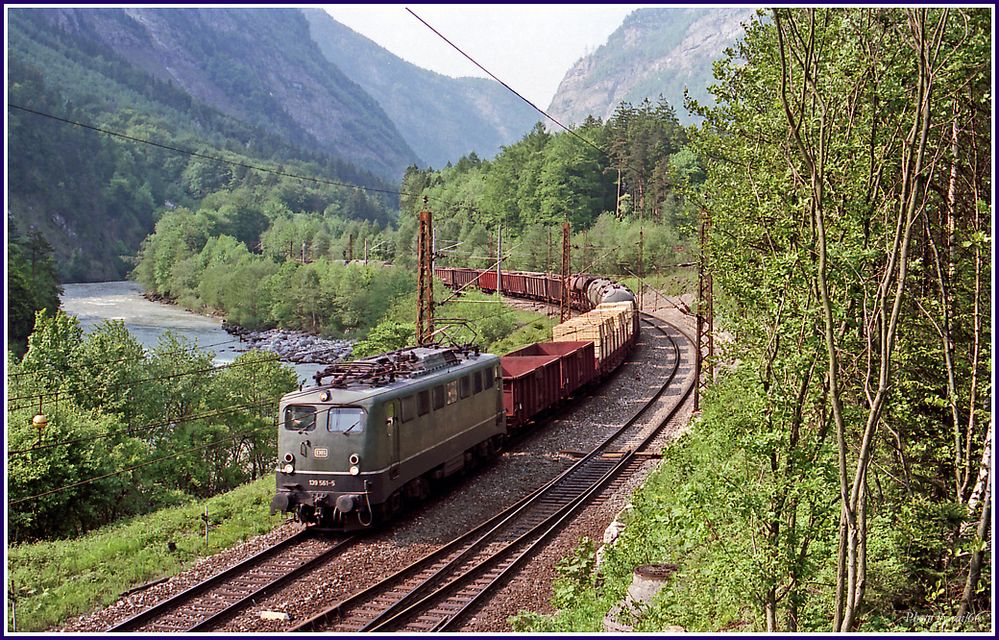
(654, 51)
(95, 197)
(441, 118)
(257, 65)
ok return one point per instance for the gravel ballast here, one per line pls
(539, 455)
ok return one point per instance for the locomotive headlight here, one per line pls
(354, 459)
(325, 396)
(354, 470)
(289, 468)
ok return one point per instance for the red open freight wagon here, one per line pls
(531, 384)
(576, 362)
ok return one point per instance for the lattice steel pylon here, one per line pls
(566, 309)
(705, 317)
(425, 277)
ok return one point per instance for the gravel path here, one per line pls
(539, 455)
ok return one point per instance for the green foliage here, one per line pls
(299, 281)
(470, 318)
(763, 253)
(532, 186)
(53, 350)
(699, 511)
(575, 594)
(384, 337)
(575, 574)
(183, 427)
(32, 283)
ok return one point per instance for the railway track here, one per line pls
(207, 604)
(434, 593)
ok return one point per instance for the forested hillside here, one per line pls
(441, 118)
(94, 197)
(531, 187)
(259, 66)
(274, 255)
(839, 477)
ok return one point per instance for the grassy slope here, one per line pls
(55, 580)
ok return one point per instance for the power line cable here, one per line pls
(134, 467)
(131, 431)
(508, 87)
(146, 353)
(205, 156)
(91, 387)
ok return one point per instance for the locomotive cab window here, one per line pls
(466, 386)
(423, 403)
(408, 408)
(438, 397)
(452, 392)
(299, 418)
(345, 420)
(489, 378)
(478, 381)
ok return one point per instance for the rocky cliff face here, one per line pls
(441, 118)
(257, 65)
(654, 52)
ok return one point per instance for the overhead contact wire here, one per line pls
(135, 467)
(508, 87)
(205, 156)
(131, 431)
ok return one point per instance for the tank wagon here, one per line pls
(585, 291)
(376, 434)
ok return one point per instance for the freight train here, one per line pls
(376, 434)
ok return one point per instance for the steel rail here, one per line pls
(482, 577)
(190, 595)
(626, 461)
(435, 566)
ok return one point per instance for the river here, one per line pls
(95, 302)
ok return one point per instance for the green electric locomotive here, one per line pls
(376, 433)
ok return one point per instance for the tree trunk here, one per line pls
(978, 555)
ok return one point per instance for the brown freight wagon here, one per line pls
(514, 284)
(531, 384)
(576, 361)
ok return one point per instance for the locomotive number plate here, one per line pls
(321, 483)
(320, 453)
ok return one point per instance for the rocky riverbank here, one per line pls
(293, 346)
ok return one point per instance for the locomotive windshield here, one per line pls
(337, 420)
(346, 419)
(299, 418)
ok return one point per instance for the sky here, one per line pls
(530, 47)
